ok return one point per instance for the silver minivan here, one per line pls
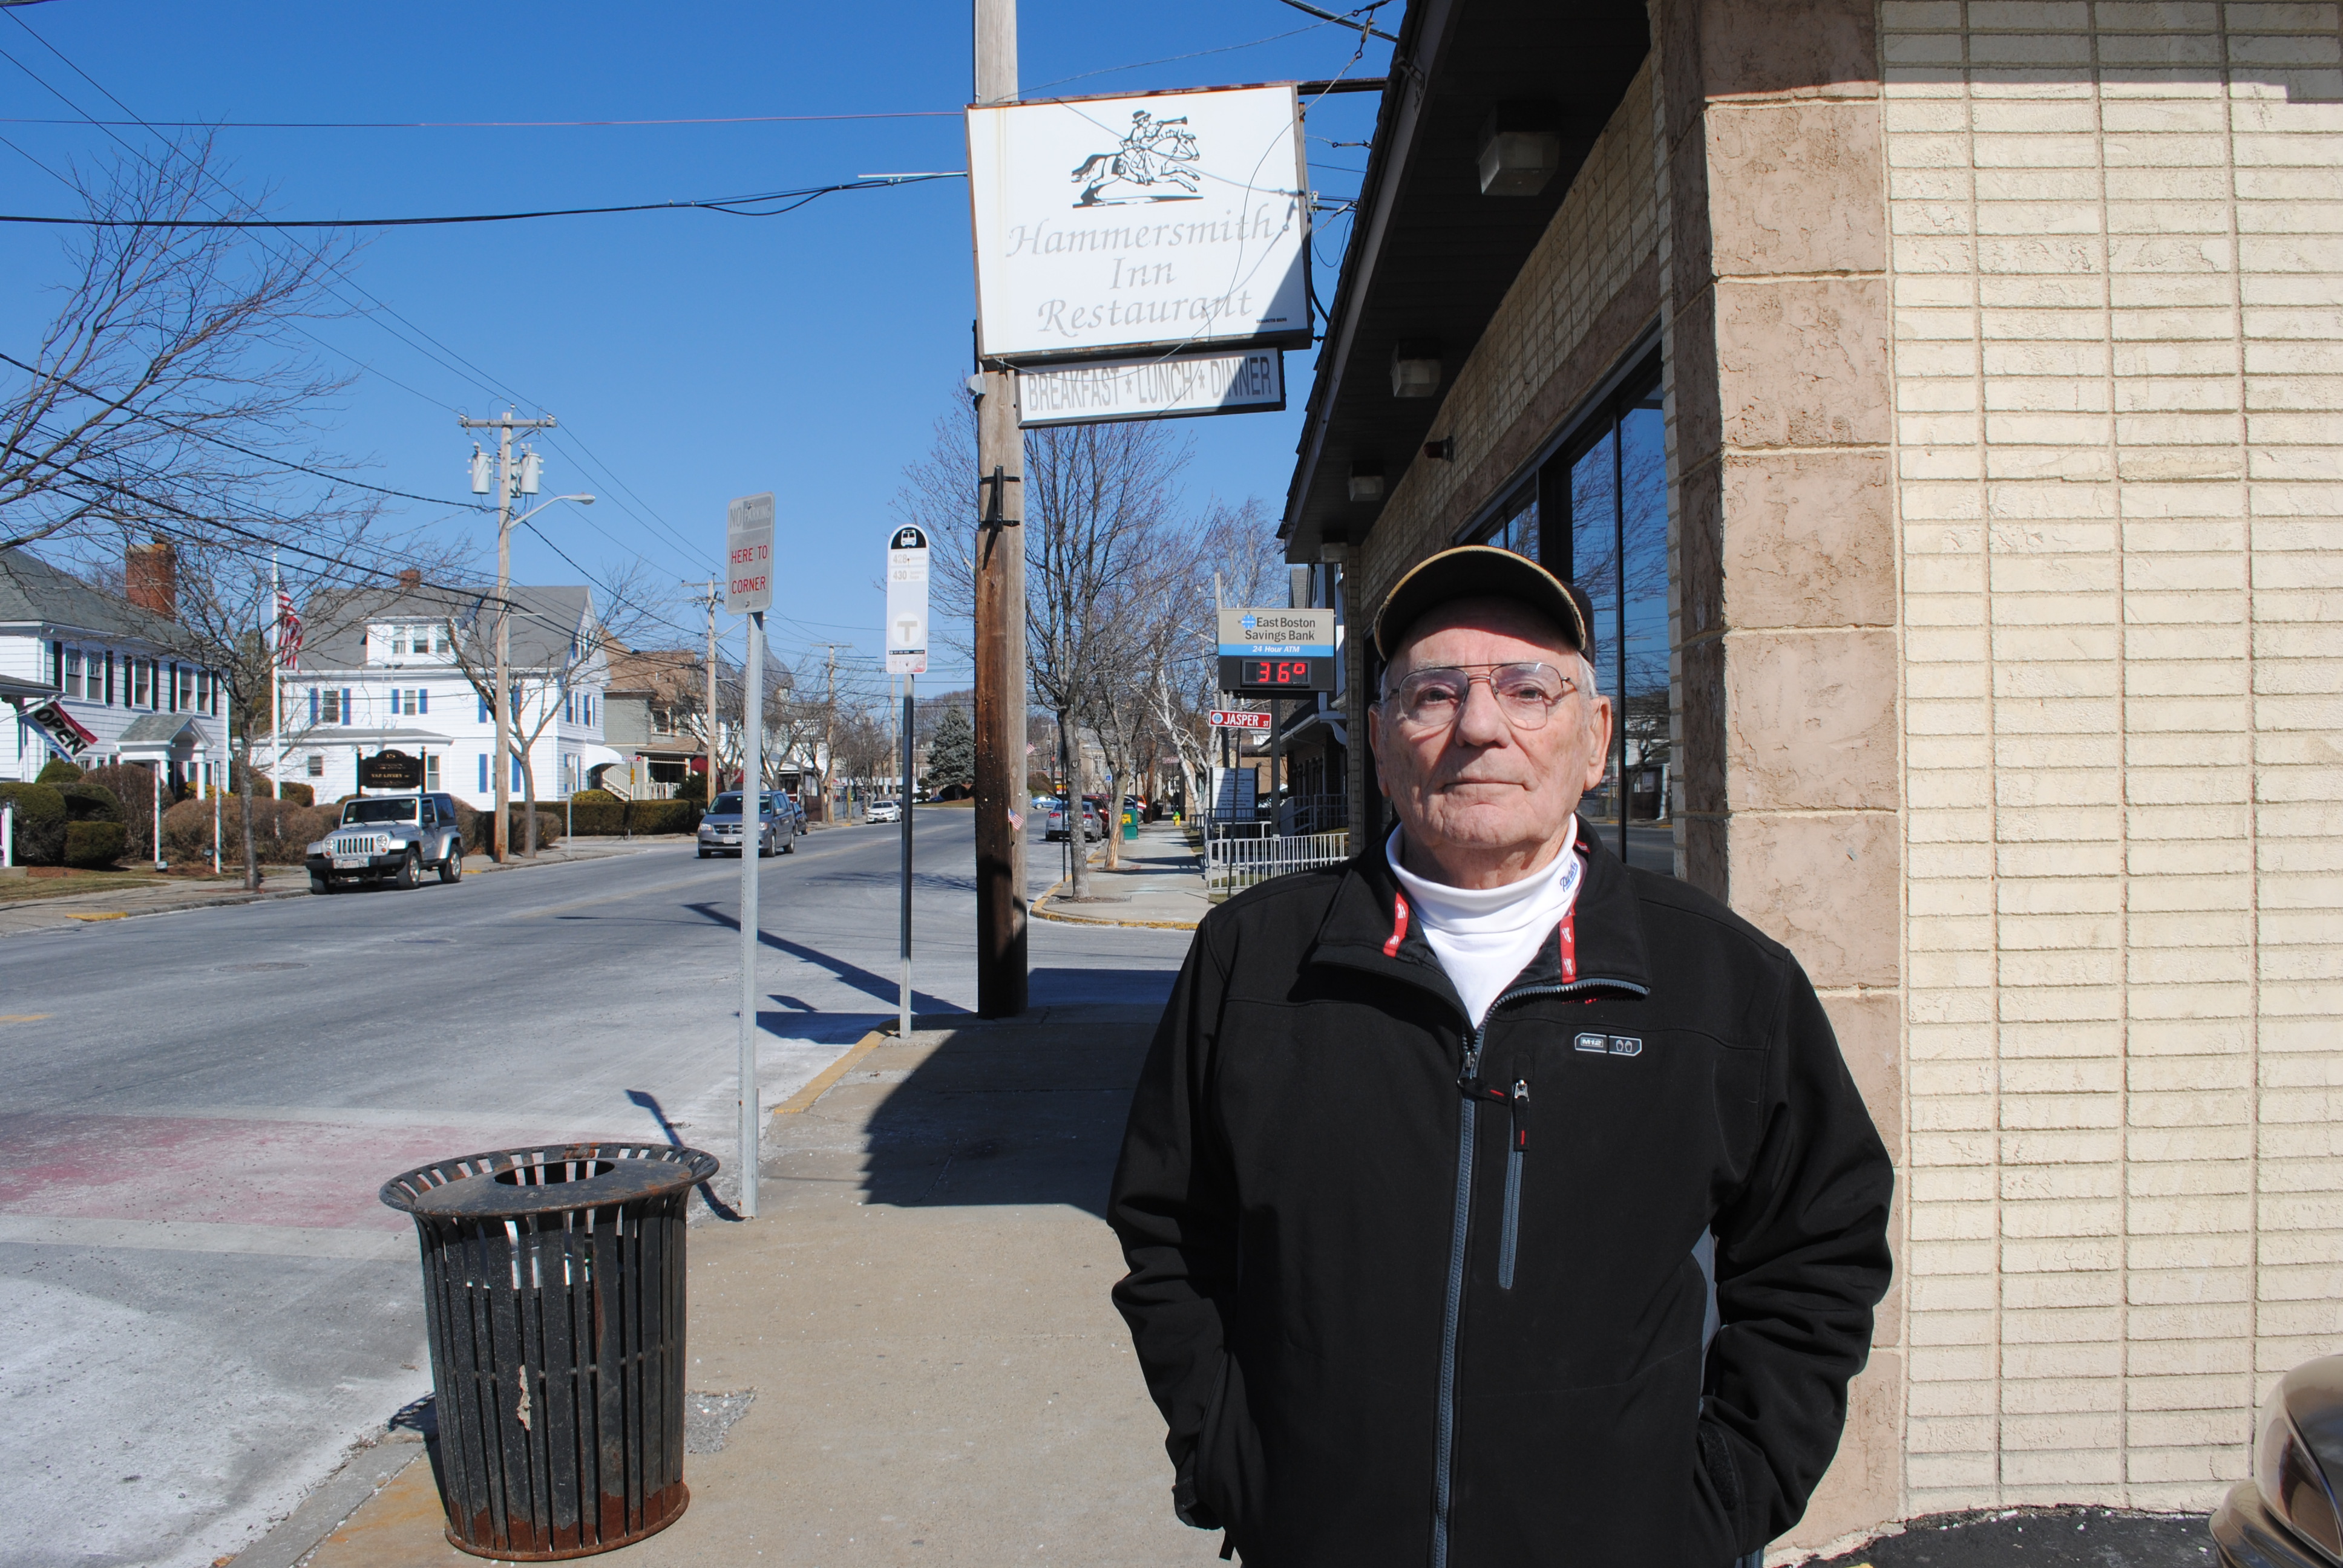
(780, 822)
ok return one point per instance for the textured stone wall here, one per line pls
(2118, 379)
(1784, 601)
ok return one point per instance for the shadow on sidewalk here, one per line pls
(1023, 1111)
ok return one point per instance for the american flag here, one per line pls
(289, 630)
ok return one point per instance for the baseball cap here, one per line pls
(1482, 571)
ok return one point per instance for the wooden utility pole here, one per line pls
(1000, 798)
(712, 586)
(828, 724)
(504, 425)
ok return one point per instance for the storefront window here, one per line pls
(1611, 478)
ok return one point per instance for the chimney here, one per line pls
(150, 576)
(410, 578)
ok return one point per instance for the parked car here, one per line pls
(780, 822)
(1055, 827)
(2285, 1516)
(390, 839)
(886, 812)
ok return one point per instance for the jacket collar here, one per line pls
(1370, 926)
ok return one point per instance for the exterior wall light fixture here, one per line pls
(1520, 150)
(1415, 370)
(1367, 480)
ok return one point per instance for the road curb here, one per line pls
(823, 1081)
(1040, 911)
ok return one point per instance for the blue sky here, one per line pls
(689, 357)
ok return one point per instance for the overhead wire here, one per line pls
(734, 207)
(339, 275)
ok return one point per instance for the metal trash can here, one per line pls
(553, 1286)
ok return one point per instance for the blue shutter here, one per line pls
(484, 710)
(313, 707)
(347, 714)
(484, 772)
(422, 699)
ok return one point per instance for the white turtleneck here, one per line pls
(1484, 936)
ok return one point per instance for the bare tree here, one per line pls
(168, 369)
(626, 604)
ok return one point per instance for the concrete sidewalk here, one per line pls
(1161, 884)
(920, 1314)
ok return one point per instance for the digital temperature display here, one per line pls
(1256, 674)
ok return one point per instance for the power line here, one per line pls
(735, 207)
(490, 125)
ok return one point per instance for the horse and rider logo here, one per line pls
(1156, 162)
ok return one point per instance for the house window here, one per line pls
(203, 692)
(569, 707)
(431, 773)
(330, 705)
(72, 675)
(142, 683)
(316, 767)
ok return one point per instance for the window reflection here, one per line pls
(1615, 490)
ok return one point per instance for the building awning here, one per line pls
(1430, 258)
(24, 693)
(337, 736)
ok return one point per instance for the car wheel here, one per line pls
(703, 854)
(789, 845)
(405, 876)
(451, 869)
(320, 885)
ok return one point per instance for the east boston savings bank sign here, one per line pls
(1169, 223)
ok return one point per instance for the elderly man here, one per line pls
(1429, 1146)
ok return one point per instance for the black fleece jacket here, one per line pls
(1413, 1293)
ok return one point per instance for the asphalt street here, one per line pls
(205, 1302)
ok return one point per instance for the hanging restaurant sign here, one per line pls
(1161, 221)
(1173, 387)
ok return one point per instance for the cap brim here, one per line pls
(1482, 571)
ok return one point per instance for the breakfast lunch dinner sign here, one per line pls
(1168, 221)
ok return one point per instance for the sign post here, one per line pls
(907, 656)
(748, 590)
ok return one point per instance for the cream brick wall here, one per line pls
(2118, 374)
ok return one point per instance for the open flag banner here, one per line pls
(62, 730)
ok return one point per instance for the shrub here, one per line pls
(635, 817)
(133, 785)
(298, 794)
(282, 831)
(92, 844)
(40, 813)
(59, 771)
(594, 798)
(694, 788)
(479, 828)
(91, 803)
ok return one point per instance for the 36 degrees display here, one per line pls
(1251, 676)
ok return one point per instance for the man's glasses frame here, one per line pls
(1527, 693)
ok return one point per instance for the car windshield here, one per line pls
(379, 811)
(728, 803)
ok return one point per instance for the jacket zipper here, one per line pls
(1470, 1093)
(1518, 1146)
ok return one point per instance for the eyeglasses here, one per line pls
(1526, 694)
